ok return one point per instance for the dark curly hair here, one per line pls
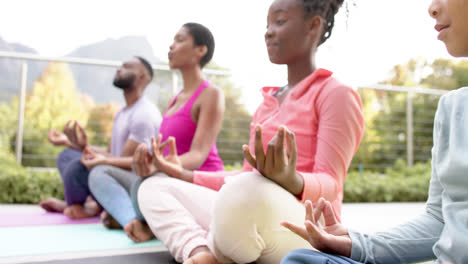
(327, 9)
(202, 37)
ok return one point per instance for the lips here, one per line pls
(439, 27)
(271, 44)
(169, 55)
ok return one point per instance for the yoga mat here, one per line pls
(143, 258)
(40, 218)
(39, 240)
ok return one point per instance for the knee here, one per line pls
(247, 192)
(66, 155)
(97, 175)
(300, 256)
(150, 189)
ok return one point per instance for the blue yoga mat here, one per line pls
(39, 240)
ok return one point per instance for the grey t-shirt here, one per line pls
(137, 122)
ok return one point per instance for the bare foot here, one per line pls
(138, 231)
(92, 207)
(53, 205)
(78, 211)
(109, 221)
(201, 255)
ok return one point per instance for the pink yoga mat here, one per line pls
(40, 218)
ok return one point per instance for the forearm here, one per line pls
(121, 162)
(193, 159)
(319, 184)
(69, 144)
(185, 175)
(407, 243)
(99, 150)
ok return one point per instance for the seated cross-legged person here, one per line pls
(233, 217)
(193, 118)
(441, 232)
(135, 123)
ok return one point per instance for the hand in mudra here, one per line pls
(76, 134)
(142, 161)
(169, 164)
(279, 162)
(331, 237)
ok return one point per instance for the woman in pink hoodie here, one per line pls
(303, 137)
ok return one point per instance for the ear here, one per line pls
(202, 50)
(315, 26)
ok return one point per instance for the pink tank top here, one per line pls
(181, 126)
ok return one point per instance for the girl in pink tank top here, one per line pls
(181, 126)
(193, 118)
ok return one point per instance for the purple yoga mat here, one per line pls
(40, 218)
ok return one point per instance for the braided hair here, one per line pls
(327, 9)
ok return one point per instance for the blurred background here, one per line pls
(64, 54)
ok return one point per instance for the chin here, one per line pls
(172, 66)
(275, 60)
(457, 53)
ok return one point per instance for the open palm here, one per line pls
(331, 237)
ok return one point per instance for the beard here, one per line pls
(124, 83)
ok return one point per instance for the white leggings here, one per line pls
(239, 224)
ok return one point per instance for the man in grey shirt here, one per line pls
(135, 123)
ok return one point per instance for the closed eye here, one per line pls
(280, 21)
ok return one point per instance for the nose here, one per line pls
(434, 8)
(171, 47)
(268, 33)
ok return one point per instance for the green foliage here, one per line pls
(235, 130)
(233, 167)
(7, 125)
(20, 185)
(397, 184)
(52, 102)
(100, 123)
(385, 112)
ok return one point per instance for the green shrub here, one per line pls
(20, 185)
(398, 184)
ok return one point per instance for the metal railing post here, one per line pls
(409, 130)
(175, 82)
(22, 97)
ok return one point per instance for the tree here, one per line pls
(100, 121)
(385, 112)
(52, 102)
(236, 125)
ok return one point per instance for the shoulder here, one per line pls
(212, 93)
(213, 90)
(333, 90)
(333, 85)
(146, 111)
(454, 99)
(453, 102)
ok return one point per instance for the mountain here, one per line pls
(96, 81)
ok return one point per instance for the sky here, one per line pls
(366, 42)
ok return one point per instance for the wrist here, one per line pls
(105, 161)
(297, 185)
(185, 175)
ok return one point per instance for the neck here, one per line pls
(132, 95)
(300, 69)
(192, 78)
